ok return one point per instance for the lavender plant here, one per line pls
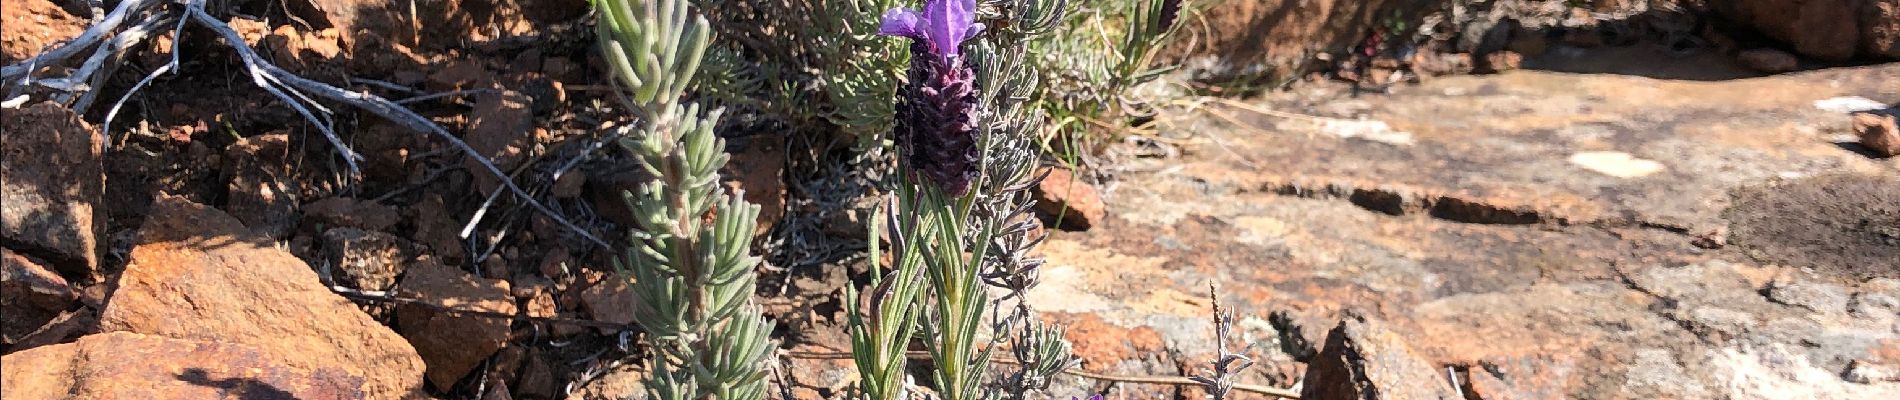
(1105, 49)
(959, 215)
(691, 264)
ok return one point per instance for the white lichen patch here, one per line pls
(1616, 163)
(1848, 104)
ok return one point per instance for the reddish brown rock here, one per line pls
(815, 374)
(537, 378)
(33, 26)
(1362, 359)
(622, 382)
(453, 344)
(261, 193)
(344, 211)
(758, 168)
(1075, 203)
(123, 365)
(30, 296)
(500, 128)
(1099, 342)
(1880, 28)
(352, 18)
(1824, 29)
(607, 193)
(611, 300)
(198, 274)
(461, 74)
(1878, 132)
(1768, 60)
(51, 181)
(436, 228)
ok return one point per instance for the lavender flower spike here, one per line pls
(936, 123)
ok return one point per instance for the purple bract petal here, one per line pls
(902, 22)
(943, 25)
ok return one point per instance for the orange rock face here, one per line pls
(198, 274)
(123, 365)
(1074, 202)
(453, 345)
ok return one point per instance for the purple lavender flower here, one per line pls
(936, 110)
(942, 26)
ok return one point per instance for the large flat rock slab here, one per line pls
(1528, 235)
(1538, 147)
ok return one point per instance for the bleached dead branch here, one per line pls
(295, 91)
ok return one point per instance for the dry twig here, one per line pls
(282, 84)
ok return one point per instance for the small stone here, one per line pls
(569, 185)
(828, 374)
(758, 169)
(344, 211)
(541, 305)
(622, 382)
(61, 329)
(261, 194)
(1878, 133)
(537, 378)
(498, 391)
(1502, 61)
(1768, 60)
(1363, 360)
(1814, 296)
(435, 228)
(611, 300)
(30, 296)
(54, 180)
(1074, 203)
(495, 267)
(1863, 372)
(461, 74)
(500, 128)
(364, 259)
(452, 344)
(557, 263)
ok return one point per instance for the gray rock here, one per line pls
(54, 180)
(1362, 359)
(1815, 296)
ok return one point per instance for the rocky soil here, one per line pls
(1525, 235)
(1590, 223)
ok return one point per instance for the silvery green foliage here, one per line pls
(691, 263)
(862, 69)
(814, 64)
(653, 47)
(1003, 211)
(1102, 50)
